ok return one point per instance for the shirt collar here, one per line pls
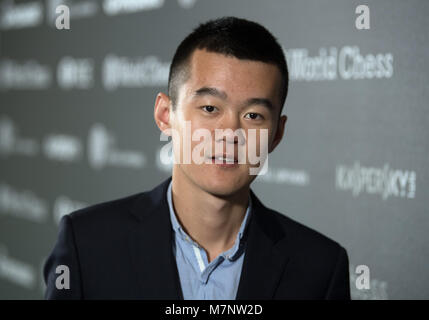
(177, 227)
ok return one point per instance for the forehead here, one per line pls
(240, 79)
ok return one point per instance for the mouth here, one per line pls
(224, 160)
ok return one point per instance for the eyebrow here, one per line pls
(210, 91)
(204, 91)
(261, 101)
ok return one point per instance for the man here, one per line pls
(202, 233)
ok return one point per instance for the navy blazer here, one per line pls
(122, 249)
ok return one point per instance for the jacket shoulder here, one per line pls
(305, 237)
(318, 267)
(105, 213)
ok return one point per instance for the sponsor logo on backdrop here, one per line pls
(78, 9)
(103, 151)
(64, 205)
(62, 147)
(75, 73)
(114, 7)
(383, 181)
(134, 72)
(30, 14)
(22, 15)
(285, 176)
(22, 204)
(28, 74)
(11, 143)
(16, 271)
(347, 63)
(376, 290)
(102, 147)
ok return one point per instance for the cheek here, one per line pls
(191, 137)
(269, 136)
(259, 141)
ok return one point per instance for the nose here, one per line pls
(232, 133)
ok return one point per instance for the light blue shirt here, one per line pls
(199, 279)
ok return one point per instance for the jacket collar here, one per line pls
(157, 276)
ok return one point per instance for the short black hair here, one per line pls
(231, 36)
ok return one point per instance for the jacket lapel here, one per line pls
(265, 257)
(151, 240)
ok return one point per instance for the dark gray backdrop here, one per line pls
(76, 124)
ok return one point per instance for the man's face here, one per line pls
(224, 92)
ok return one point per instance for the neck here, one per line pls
(211, 221)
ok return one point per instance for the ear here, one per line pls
(279, 132)
(162, 111)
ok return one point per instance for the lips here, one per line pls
(225, 158)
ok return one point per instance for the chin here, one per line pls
(224, 185)
(218, 182)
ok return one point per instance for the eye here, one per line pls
(254, 116)
(209, 108)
